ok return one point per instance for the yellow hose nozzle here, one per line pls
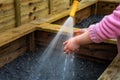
(74, 8)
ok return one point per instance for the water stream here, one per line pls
(54, 64)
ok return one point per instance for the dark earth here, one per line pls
(21, 69)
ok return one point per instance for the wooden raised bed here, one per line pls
(27, 38)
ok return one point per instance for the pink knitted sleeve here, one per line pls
(107, 28)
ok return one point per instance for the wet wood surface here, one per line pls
(113, 70)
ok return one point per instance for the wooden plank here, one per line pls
(11, 56)
(113, 70)
(17, 12)
(54, 17)
(98, 54)
(106, 7)
(48, 27)
(33, 10)
(49, 6)
(25, 19)
(38, 14)
(13, 46)
(28, 2)
(13, 34)
(112, 1)
(6, 1)
(5, 25)
(34, 7)
(43, 38)
(6, 4)
(93, 59)
(55, 28)
(82, 14)
(31, 42)
(111, 41)
(58, 7)
(94, 9)
(6, 14)
(7, 17)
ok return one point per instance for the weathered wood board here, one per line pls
(59, 6)
(113, 1)
(113, 70)
(106, 7)
(56, 17)
(33, 9)
(7, 15)
(82, 14)
(12, 50)
(15, 33)
(101, 52)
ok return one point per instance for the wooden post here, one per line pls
(17, 12)
(94, 9)
(31, 42)
(49, 6)
(95, 13)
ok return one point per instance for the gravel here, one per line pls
(22, 68)
(88, 21)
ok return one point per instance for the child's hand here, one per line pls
(71, 46)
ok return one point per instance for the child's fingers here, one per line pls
(76, 50)
(64, 43)
(66, 49)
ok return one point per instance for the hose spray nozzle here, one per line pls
(74, 7)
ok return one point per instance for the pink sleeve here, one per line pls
(107, 28)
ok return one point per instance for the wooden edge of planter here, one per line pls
(113, 70)
(15, 33)
(111, 41)
(111, 1)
